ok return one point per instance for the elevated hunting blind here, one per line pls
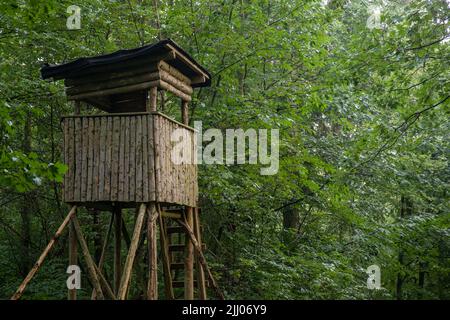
(121, 158)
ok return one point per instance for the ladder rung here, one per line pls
(176, 247)
(171, 214)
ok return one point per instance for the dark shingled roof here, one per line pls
(83, 66)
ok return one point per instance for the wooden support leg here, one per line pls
(73, 257)
(200, 272)
(189, 259)
(126, 275)
(152, 288)
(103, 254)
(139, 272)
(44, 254)
(117, 247)
(168, 289)
(92, 272)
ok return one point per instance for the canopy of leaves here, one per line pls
(361, 101)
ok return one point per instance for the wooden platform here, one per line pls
(126, 157)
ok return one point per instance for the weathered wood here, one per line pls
(115, 159)
(108, 92)
(138, 164)
(178, 84)
(189, 259)
(104, 248)
(73, 258)
(113, 83)
(124, 283)
(126, 158)
(126, 187)
(102, 193)
(43, 255)
(88, 259)
(174, 72)
(168, 289)
(105, 285)
(202, 258)
(78, 161)
(201, 284)
(84, 155)
(168, 87)
(152, 99)
(100, 77)
(97, 164)
(124, 67)
(151, 160)
(187, 61)
(145, 158)
(152, 288)
(77, 107)
(108, 159)
(117, 247)
(121, 158)
(90, 159)
(132, 160)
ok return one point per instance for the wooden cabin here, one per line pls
(123, 154)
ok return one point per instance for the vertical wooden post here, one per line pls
(73, 256)
(151, 104)
(103, 254)
(152, 287)
(184, 112)
(77, 107)
(92, 271)
(117, 247)
(163, 101)
(189, 259)
(73, 243)
(168, 288)
(200, 272)
(126, 276)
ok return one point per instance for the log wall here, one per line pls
(126, 158)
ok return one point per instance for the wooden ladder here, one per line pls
(176, 241)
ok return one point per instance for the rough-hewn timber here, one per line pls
(113, 157)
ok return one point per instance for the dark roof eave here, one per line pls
(70, 69)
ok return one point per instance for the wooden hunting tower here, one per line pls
(121, 158)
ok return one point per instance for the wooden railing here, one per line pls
(127, 157)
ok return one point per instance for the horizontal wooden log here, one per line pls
(174, 72)
(123, 66)
(113, 83)
(95, 78)
(107, 92)
(168, 87)
(172, 215)
(183, 58)
(178, 84)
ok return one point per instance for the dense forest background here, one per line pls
(362, 109)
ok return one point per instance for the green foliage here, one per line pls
(363, 120)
